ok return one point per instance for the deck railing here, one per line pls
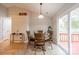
(64, 37)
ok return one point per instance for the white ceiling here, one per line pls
(48, 9)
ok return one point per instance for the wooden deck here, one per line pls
(63, 41)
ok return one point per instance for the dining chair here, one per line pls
(30, 38)
(39, 42)
(49, 39)
(41, 31)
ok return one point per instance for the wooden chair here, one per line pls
(41, 31)
(39, 42)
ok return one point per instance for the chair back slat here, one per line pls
(39, 37)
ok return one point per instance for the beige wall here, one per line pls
(3, 11)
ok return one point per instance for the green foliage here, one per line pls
(75, 23)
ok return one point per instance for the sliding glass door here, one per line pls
(63, 33)
(74, 17)
(68, 33)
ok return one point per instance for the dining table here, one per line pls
(17, 37)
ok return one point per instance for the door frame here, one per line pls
(69, 34)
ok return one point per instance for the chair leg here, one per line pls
(27, 45)
(35, 50)
(51, 45)
(43, 49)
(34, 47)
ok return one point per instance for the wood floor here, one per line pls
(7, 48)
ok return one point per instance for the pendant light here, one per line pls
(40, 16)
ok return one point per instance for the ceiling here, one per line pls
(48, 9)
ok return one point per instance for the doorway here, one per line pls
(5, 28)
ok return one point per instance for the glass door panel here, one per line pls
(63, 32)
(74, 16)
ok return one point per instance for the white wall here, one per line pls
(39, 24)
(20, 23)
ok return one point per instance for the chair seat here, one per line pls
(32, 39)
(49, 40)
(39, 44)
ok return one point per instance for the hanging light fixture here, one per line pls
(40, 16)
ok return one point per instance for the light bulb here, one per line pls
(41, 16)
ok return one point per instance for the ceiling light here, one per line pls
(41, 16)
